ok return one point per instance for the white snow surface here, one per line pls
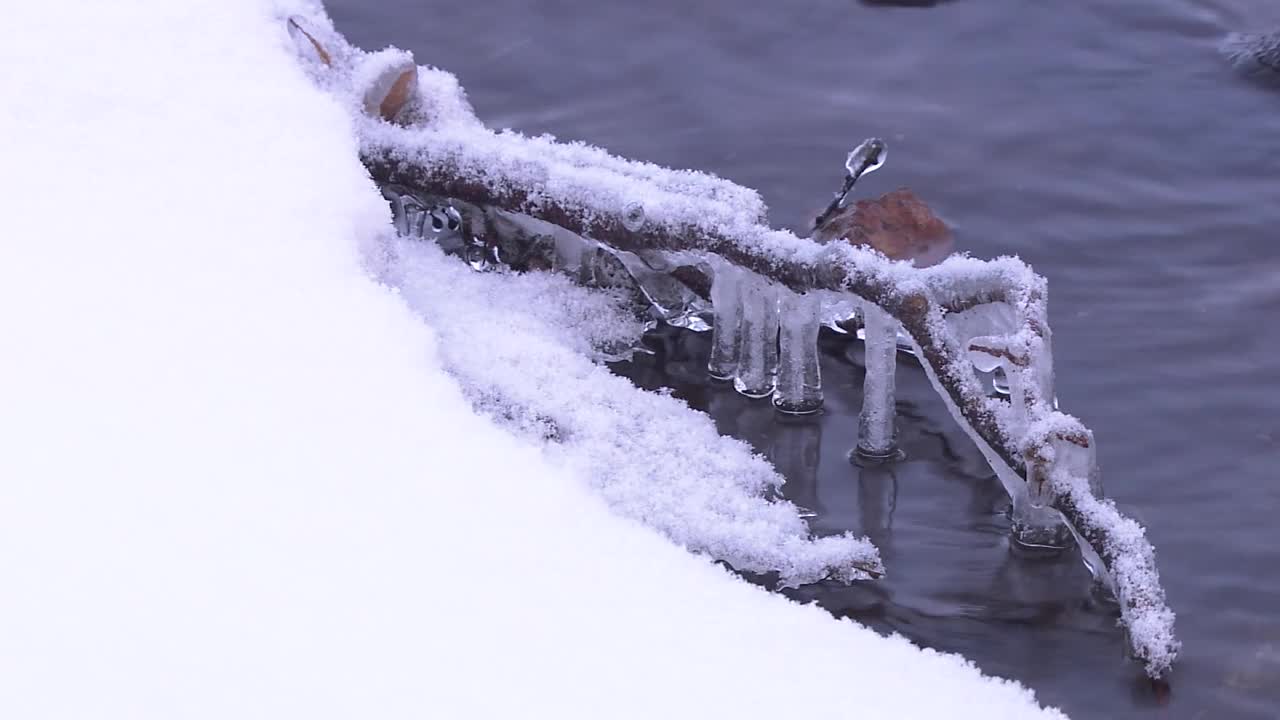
(235, 481)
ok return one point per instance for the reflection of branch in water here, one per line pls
(795, 451)
(877, 499)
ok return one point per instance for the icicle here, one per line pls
(758, 357)
(772, 328)
(877, 497)
(307, 45)
(407, 213)
(726, 329)
(1075, 461)
(876, 434)
(670, 300)
(799, 390)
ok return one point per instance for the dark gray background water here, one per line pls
(1104, 142)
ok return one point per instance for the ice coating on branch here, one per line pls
(866, 158)
(1133, 574)
(991, 319)
(538, 170)
(520, 345)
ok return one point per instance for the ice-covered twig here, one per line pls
(505, 170)
(640, 209)
(865, 158)
(1254, 53)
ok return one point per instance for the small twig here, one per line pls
(295, 26)
(868, 156)
(1019, 360)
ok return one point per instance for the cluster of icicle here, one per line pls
(618, 223)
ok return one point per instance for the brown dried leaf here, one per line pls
(898, 224)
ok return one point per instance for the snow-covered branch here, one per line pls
(963, 316)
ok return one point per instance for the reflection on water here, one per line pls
(795, 450)
(940, 509)
(940, 520)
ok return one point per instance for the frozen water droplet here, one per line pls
(867, 157)
(453, 219)
(633, 216)
(999, 382)
(477, 258)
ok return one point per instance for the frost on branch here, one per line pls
(619, 224)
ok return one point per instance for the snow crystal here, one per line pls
(758, 355)
(876, 434)
(726, 329)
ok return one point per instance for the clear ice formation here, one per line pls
(877, 437)
(512, 241)
(726, 325)
(568, 208)
(758, 354)
(1035, 523)
(868, 157)
(799, 384)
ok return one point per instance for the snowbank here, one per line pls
(236, 482)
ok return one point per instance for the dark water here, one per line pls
(1107, 144)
